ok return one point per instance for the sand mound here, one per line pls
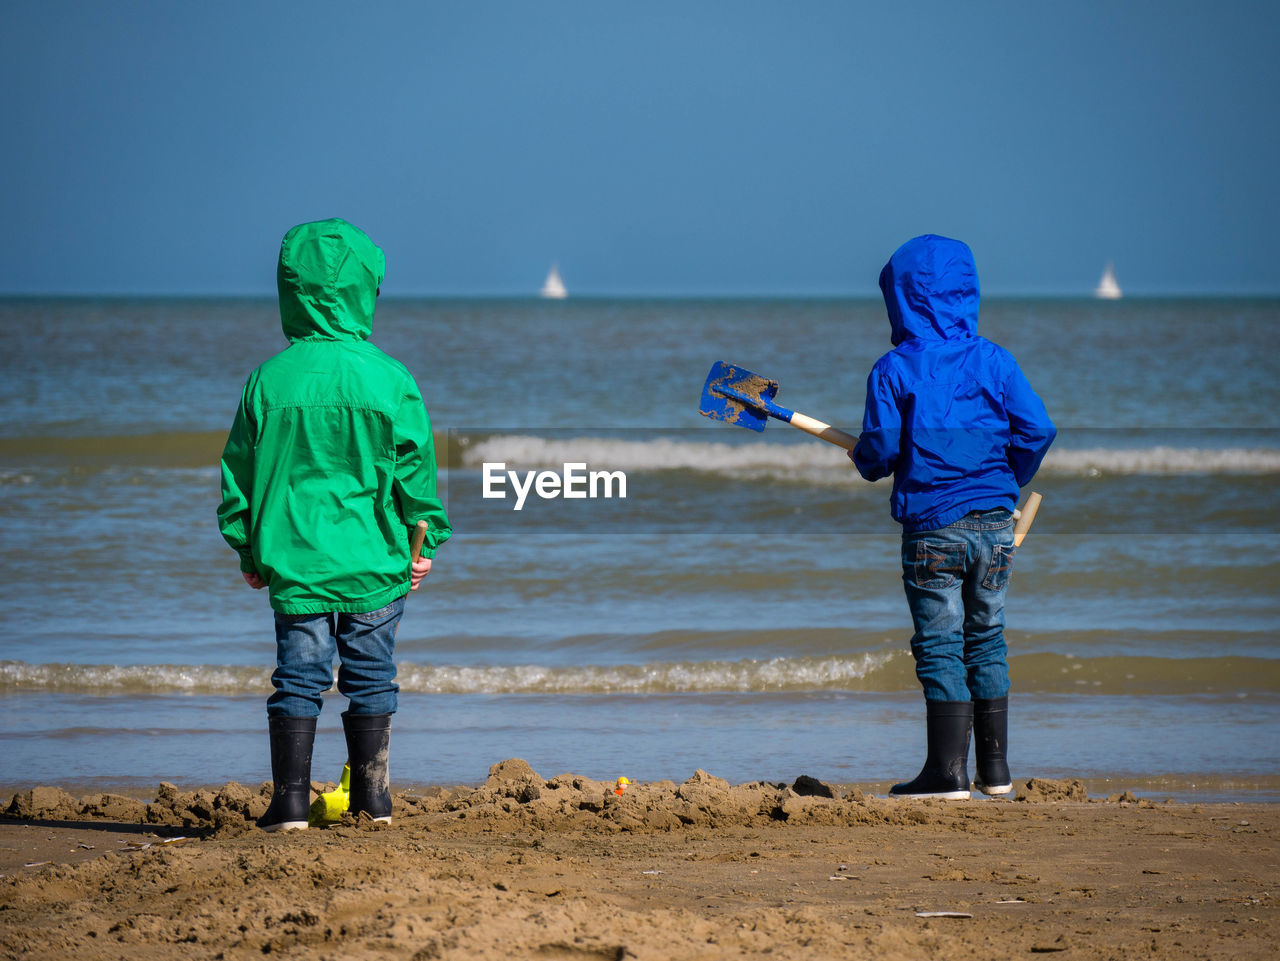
(1044, 789)
(514, 795)
(230, 807)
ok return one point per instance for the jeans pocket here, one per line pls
(1000, 568)
(373, 617)
(937, 565)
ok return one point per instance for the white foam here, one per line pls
(825, 463)
(1163, 460)
(132, 678)
(652, 454)
(750, 675)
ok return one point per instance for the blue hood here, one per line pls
(930, 288)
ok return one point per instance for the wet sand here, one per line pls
(532, 867)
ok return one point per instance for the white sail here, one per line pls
(553, 286)
(1107, 288)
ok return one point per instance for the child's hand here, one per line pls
(254, 581)
(421, 568)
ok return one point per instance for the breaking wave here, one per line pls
(663, 453)
(655, 451)
(873, 672)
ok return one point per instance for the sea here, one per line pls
(706, 597)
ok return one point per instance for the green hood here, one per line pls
(328, 279)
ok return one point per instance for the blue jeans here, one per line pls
(955, 579)
(305, 646)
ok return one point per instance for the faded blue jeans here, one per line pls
(955, 579)
(306, 645)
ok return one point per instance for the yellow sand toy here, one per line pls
(329, 807)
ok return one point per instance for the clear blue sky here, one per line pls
(651, 148)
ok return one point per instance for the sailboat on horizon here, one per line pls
(553, 287)
(1108, 288)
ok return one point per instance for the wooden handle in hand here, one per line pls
(1025, 516)
(415, 546)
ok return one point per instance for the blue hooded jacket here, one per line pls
(949, 414)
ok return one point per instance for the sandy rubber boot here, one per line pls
(291, 741)
(945, 774)
(990, 740)
(368, 741)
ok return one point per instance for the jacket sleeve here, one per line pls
(876, 454)
(237, 482)
(415, 476)
(1030, 429)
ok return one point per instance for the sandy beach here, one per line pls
(562, 867)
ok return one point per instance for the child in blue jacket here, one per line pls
(953, 419)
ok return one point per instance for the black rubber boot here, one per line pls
(990, 739)
(291, 742)
(946, 768)
(368, 739)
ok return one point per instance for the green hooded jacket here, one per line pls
(330, 463)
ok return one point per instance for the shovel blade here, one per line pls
(738, 410)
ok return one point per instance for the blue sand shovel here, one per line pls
(739, 396)
(744, 398)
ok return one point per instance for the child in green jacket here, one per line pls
(328, 468)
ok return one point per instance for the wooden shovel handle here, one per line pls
(1025, 516)
(415, 546)
(832, 435)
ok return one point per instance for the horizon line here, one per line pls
(594, 296)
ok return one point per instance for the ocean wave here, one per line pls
(749, 675)
(871, 672)
(694, 677)
(1163, 460)
(791, 459)
(658, 453)
(131, 678)
(811, 460)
